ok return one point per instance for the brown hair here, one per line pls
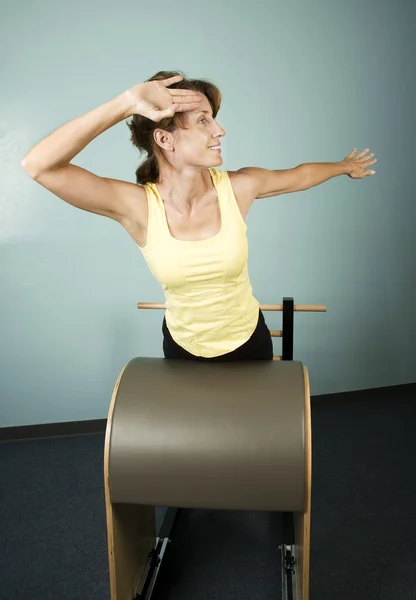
(142, 128)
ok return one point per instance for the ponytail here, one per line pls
(148, 171)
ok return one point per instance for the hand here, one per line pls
(153, 100)
(358, 164)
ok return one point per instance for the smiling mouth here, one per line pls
(217, 148)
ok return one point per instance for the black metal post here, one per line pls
(287, 328)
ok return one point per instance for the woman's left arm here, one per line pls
(264, 183)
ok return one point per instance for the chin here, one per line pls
(216, 161)
(211, 161)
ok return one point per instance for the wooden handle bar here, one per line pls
(297, 307)
(275, 307)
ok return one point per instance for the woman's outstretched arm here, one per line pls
(254, 182)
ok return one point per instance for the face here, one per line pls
(199, 145)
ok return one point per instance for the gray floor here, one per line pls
(222, 554)
(363, 533)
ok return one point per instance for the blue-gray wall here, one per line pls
(302, 82)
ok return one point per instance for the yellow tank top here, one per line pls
(210, 307)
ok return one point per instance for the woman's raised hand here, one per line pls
(155, 101)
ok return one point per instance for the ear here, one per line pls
(163, 139)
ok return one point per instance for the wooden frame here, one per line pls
(131, 531)
(302, 521)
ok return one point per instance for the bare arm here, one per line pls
(48, 162)
(251, 182)
(61, 146)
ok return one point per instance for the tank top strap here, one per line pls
(226, 197)
(156, 218)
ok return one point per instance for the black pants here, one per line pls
(258, 347)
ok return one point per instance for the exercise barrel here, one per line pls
(197, 435)
(193, 434)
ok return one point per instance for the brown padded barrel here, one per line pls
(209, 435)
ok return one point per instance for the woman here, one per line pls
(187, 216)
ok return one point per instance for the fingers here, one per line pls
(362, 153)
(351, 154)
(185, 96)
(172, 80)
(363, 158)
(186, 99)
(174, 108)
(178, 92)
(184, 106)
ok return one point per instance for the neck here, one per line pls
(183, 189)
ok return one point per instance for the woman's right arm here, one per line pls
(48, 163)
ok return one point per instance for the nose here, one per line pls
(219, 131)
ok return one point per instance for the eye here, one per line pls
(203, 120)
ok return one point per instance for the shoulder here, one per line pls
(136, 201)
(244, 185)
(135, 214)
(243, 181)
